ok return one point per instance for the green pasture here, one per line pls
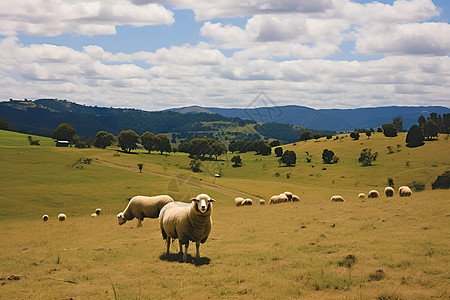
(386, 248)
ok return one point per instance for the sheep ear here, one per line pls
(211, 200)
(193, 199)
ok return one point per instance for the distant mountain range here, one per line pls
(325, 119)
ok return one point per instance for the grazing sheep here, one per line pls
(373, 194)
(187, 223)
(62, 217)
(278, 199)
(404, 191)
(141, 207)
(238, 201)
(98, 211)
(295, 198)
(247, 201)
(94, 215)
(45, 218)
(337, 199)
(361, 196)
(289, 196)
(262, 201)
(389, 191)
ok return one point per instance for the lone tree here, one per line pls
(430, 129)
(128, 140)
(103, 139)
(366, 157)
(306, 135)
(148, 141)
(140, 166)
(278, 151)
(288, 158)
(389, 130)
(415, 137)
(237, 161)
(65, 132)
(328, 157)
(354, 135)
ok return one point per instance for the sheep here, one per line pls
(187, 223)
(94, 215)
(337, 199)
(389, 191)
(278, 199)
(45, 218)
(247, 201)
(404, 191)
(289, 196)
(262, 201)
(295, 198)
(238, 201)
(62, 217)
(373, 194)
(98, 211)
(141, 207)
(361, 196)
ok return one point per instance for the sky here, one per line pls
(154, 55)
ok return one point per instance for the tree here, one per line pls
(262, 148)
(389, 130)
(354, 135)
(237, 161)
(195, 165)
(421, 121)
(275, 143)
(289, 158)
(162, 143)
(366, 157)
(65, 132)
(398, 123)
(430, 129)
(148, 141)
(368, 133)
(140, 166)
(328, 157)
(415, 137)
(103, 139)
(128, 140)
(306, 135)
(4, 124)
(278, 151)
(442, 182)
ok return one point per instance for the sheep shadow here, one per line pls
(190, 259)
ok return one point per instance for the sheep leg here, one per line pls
(139, 223)
(185, 251)
(181, 246)
(168, 245)
(197, 245)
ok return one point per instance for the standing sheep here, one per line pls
(62, 217)
(361, 196)
(45, 218)
(404, 191)
(141, 207)
(238, 201)
(187, 223)
(289, 196)
(373, 194)
(337, 198)
(389, 191)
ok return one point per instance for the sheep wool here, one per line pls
(45, 218)
(98, 211)
(373, 194)
(247, 201)
(289, 196)
(186, 223)
(94, 215)
(295, 198)
(404, 191)
(141, 207)
(262, 201)
(389, 191)
(337, 198)
(62, 217)
(238, 201)
(361, 196)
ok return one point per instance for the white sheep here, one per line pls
(361, 196)
(187, 223)
(337, 198)
(404, 191)
(289, 196)
(45, 218)
(389, 191)
(295, 198)
(62, 217)
(141, 207)
(247, 201)
(278, 199)
(238, 201)
(94, 215)
(262, 201)
(98, 211)
(373, 194)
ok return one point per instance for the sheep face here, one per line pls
(121, 219)
(203, 202)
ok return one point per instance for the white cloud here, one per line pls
(52, 18)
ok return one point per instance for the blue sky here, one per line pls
(155, 55)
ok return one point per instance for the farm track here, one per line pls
(215, 187)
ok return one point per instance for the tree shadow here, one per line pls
(178, 257)
(126, 152)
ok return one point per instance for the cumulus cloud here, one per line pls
(52, 18)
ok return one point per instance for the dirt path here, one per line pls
(227, 191)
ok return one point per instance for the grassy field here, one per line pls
(386, 248)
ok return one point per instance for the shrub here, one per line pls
(306, 135)
(366, 157)
(237, 161)
(430, 129)
(354, 135)
(33, 142)
(289, 158)
(195, 165)
(278, 151)
(417, 186)
(389, 130)
(415, 137)
(390, 182)
(442, 181)
(328, 157)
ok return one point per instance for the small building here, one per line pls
(62, 143)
